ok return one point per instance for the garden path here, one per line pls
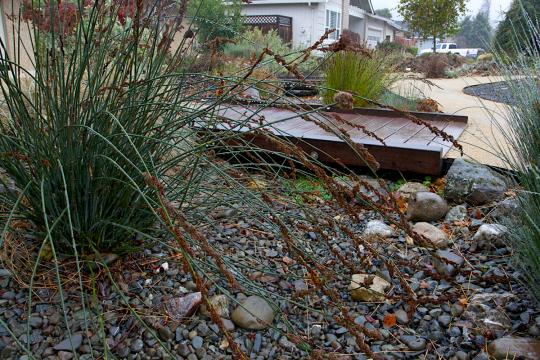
(483, 140)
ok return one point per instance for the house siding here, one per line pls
(306, 19)
(10, 37)
(309, 20)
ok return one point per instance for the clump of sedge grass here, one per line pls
(521, 150)
(363, 76)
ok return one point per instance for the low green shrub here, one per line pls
(412, 50)
(390, 47)
(252, 42)
(365, 77)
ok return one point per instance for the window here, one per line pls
(452, 46)
(333, 21)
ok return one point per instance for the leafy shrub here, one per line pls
(252, 42)
(412, 50)
(361, 75)
(435, 65)
(216, 18)
(488, 57)
(390, 47)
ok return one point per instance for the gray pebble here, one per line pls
(137, 345)
(197, 342)
(414, 343)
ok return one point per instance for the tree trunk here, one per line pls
(434, 44)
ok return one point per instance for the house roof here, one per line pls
(265, 2)
(364, 5)
(390, 22)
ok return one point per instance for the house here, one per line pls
(311, 18)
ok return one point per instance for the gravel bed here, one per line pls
(473, 295)
(496, 91)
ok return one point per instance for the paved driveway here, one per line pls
(482, 140)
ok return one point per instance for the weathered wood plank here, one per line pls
(409, 146)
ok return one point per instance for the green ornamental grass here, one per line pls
(521, 129)
(366, 77)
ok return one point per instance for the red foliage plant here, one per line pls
(62, 17)
(59, 16)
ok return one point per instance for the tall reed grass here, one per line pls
(520, 128)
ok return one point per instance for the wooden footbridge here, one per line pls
(396, 142)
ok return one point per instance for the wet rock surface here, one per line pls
(474, 183)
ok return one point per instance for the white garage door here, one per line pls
(374, 37)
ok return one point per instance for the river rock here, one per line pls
(251, 93)
(426, 206)
(410, 188)
(456, 213)
(180, 308)
(414, 343)
(489, 235)
(447, 263)
(486, 311)
(507, 210)
(69, 345)
(220, 303)
(368, 187)
(473, 183)
(515, 348)
(378, 228)
(438, 238)
(253, 313)
(368, 288)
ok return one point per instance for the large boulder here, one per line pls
(426, 206)
(473, 183)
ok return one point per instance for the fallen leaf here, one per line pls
(287, 260)
(257, 184)
(439, 184)
(463, 301)
(447, 229)
(389, 320)
(478, 214)
(462, 223)
(402, 204)
(409, 240)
